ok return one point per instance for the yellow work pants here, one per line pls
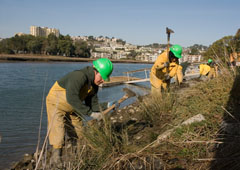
(212, 73)
(157, 85)
(60, 114)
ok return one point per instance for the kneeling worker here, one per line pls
(74, 96)
(166, 67)
(208, 70)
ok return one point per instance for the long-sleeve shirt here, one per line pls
(159, 71)
(81, 92)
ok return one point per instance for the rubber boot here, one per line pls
(56, 159)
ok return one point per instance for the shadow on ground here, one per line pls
(227, 152)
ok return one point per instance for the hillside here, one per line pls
(152, 132)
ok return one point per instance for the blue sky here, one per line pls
(139, 22)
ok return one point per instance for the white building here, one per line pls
(191, 58)
(153, 57)
(43, 31)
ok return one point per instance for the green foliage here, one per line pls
(221, 49)
(52, 48)
(157, 45)
(189, 152)
(194, 51)
(237, 40)
(132, 54)
(178, 132)
(91, 37)
(82, 49)
(35, 46)
(51, 45)
(158, 109)
(5, 47)
(102, 138)
(65, 46)
(197, 49)
(120, 41)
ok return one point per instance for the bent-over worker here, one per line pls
(74, 96)
(209, 70)
(166, 67)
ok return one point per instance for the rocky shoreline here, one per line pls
(126, 115)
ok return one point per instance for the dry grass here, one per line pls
(189, 146)
(202, 145)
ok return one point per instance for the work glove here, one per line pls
(166, 64)
(96, 115)
(167, 77)
(112, 103)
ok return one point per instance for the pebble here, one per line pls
(131, 111)
(114, 121)
(134, 119)
(138, 137)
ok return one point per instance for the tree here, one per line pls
(237, 41)
(220, 49)
(19, 43)
(197, 49)
(34, 46)
(194, 51)
(65, 46)
(5, 47)
(52, 44)
(132, 54)
(91, 37)
(120, 41)
(82, 49)
(155, 45)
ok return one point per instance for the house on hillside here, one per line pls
(190, 58)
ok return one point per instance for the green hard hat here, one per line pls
(104, 66)
(176, 50)
(209, 60)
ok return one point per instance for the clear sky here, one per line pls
(139, 22)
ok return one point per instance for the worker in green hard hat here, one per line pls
(213, 69)
(210, 61)
(166, 67)
(209, 70)
(70, 99)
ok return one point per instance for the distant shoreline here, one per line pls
(45, 58)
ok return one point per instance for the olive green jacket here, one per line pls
(81, 92)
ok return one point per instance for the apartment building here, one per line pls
(43, 31)
(191, 58)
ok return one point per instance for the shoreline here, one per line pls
(45, 58)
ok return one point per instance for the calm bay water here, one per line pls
(21, 101)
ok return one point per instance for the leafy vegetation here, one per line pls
(51, 45)
(197, 49)
(157, 45)
(222, 48)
